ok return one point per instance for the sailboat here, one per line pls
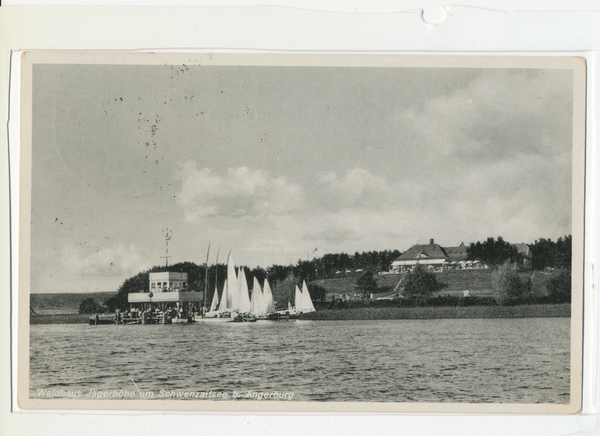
(233, 296)
(223, 304)
(226, 309)
(244, 308)
(215, 300)
(263, 306)
(306, 305)
(291, 312)
(256, 302)
(269, 304)
(235, 303)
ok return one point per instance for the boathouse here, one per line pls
(168, 281)
(167, 289)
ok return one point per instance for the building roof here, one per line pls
(523, 249)
(424, 253)
(456, 254)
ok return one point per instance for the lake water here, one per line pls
(521, 360)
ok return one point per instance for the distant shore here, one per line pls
(525, 311)
(67, 318)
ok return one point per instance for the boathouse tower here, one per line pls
(168, 281)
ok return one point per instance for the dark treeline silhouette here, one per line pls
(548, 254)
(493, 252)
(543, 254)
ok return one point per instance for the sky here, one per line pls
(275, 162)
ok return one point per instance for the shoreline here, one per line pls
(443, 312)
(383, 313)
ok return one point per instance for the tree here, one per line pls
(283, 292)
(562, 253)
(548, 254)
(367, 283)
(507, 284)
(89, 305)
(559, 287)
(493, 251)
(305, 270)
(317, 292)
(420, 284)
(542, 254)
(278, 273)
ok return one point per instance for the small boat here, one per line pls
(216, 316)
(182, 320)
(99, 319)
(244, 318)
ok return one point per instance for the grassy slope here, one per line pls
(477, 282)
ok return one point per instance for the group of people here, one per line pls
(346, 297)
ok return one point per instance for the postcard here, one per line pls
(301, 232)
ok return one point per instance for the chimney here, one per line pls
(431, 241)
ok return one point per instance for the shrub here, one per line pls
(420, 284)
(366, 283)
(507, 284)
(89, 305)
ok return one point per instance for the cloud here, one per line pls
(490, 156)
(255, 212)
(358, 188)
(239, 193)
(90, 260)
(496, 116)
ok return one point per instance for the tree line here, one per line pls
(544, 254)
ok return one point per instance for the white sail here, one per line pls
(297, 299)
(233, 300)
(307, 304)
(244, 299)
(215, 300)
(223, 305)
(268, 303)
(257, 298)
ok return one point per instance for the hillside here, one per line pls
(63, 303)
(478, 282)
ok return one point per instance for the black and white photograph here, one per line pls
(301, 232)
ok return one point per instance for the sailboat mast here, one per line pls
(205, 278)
(166, 256)
(217, 272)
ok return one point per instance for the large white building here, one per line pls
(429, 254)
